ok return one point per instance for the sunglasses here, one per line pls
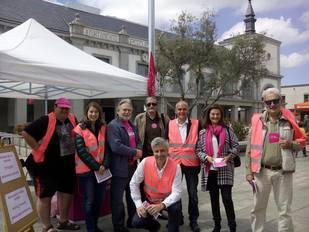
(274, 101)
(151, 104)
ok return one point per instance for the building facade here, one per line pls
(122, 44)
(294, 94)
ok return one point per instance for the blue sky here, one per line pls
(283, 20)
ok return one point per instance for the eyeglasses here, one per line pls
(274, 101)
(151, 104)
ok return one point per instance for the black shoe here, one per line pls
(98, 230)
(156, 228)
(194, 227)
(121, 229)
(129, 224)
(181, 222)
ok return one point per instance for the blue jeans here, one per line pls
(93, 198)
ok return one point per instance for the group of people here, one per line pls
(149, 158)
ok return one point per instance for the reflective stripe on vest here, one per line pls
(181, 145)
(183, 153)
(39, 153)
(157, 189)
(95, 147)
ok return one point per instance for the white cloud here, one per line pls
(294, 59)
(270, 5)
(136, 10)
(305, 18)
(280, 29)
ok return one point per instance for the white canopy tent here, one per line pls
(35, 63)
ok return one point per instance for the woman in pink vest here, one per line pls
(216, 148)
(91, 159)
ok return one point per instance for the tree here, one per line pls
(191, 48)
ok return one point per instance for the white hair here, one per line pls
(269, 91)
(159, 141)
(124, 101)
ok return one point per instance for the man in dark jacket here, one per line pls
(125, 147)
(150, 124)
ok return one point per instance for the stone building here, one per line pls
(120, 43)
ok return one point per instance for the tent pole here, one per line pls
(46, 101)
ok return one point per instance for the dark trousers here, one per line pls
(149, 223)
(226, 194)
(93, 198)
(191, 175)
(118, 187)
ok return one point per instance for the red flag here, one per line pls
(151, 85)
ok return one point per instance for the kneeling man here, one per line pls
(162, 189)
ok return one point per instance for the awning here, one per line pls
(302, 106)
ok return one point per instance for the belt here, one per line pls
(273, 168)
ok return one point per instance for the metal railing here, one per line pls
(22, 148)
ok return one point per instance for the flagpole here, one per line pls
(151, 27)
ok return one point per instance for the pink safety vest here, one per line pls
(95, 148)
(157, 189)
(39, 153)
(183, 153)
(256, 143)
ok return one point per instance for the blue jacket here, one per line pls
(118, 144)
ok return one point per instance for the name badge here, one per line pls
(273, 137)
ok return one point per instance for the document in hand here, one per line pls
(219, 162)
(146, 204)
(254, 186)
(103, 177)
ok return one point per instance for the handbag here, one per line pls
(236, 159)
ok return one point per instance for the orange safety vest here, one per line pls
(256, 143)
(96, 147)
(39, 153)
(157, 189)
(183, 153)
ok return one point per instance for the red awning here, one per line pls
(302, 106)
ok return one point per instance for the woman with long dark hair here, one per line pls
(91, 158)
(217, 146)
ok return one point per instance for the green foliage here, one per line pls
(231, 67)
(240, 129)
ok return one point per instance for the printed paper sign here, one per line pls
(274, 137)
(8, 167)
(18, 204)
(103, 177)
(219, 162)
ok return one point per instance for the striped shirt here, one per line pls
(225, 174)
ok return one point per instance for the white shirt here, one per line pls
(215, 146)
(138, 178)
(183, 129)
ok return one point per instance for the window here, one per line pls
(104, 59)
(306, 97)
(142, 69)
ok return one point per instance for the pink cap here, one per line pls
(63, 103)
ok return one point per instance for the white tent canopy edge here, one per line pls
(35, 63)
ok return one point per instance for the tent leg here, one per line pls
(46, 101)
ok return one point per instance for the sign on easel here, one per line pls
(16, 203)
